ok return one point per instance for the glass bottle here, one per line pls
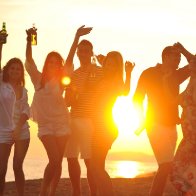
(3, 33)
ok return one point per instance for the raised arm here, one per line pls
(1, 46)
(2, 38)
(30, 64)
(29, 57)
(128, 70)
(183, 51)
(80, 32)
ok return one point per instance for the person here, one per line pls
(184, 164)
(162, 114)
(14, 113)
(81, 88)
(105, 132)
(49, 110)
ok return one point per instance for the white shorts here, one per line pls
(55, 130)
(163, 142)
(80, 140)
(6, 136)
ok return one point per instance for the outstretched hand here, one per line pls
(83, 30)
(129, 66)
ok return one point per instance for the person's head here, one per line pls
(113, 65)
(52, 67)
(85, 52)
(171, 57)
(192, 66)
(13, 71)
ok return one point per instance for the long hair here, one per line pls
(6, 69)
(44, 76)
(118, 59)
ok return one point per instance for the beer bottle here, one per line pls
(3, 33)
(34, 36)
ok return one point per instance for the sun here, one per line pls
(125, 116)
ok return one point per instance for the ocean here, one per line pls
(34, 168)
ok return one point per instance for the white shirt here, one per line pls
(48, 107)
(7, 102)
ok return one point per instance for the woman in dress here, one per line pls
(108, 90)
(183, 175)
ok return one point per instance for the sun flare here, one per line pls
(125, 116)
(127, 169)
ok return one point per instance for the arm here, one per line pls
(30, 64)
(128, 69)
(1, 46)
(138, 99)
(183, 51)
(2, 38)
(18, 128)
(25, 114)
(80, 32)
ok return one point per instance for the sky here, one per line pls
(139, 29)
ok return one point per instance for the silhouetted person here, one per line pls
(162, 113)
(78, 96)
(50, 111)
(14, 113)
(105, 130)
(183, 174)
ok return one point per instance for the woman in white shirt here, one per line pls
(14, 113)
(49, 109)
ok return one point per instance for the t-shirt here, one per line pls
(160, 109)
(83, 83)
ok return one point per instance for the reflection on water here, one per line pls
(125, 169)
(129, 169)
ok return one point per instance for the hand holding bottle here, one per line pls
(32, 35)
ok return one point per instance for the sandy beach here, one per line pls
(122, 187)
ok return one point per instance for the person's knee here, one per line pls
(17, 167)
(165, 167)
(72, 161)
(55, 163)
(3, 171)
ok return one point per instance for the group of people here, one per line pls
(76, 119)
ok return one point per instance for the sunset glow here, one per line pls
(139, 29)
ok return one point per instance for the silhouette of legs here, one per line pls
(5, 150)
(54, 147)
(160, 179)
(101, 177)
(74, 174)
(20, 150)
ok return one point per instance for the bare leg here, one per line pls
(52, 150)
(160, 179)
(4, 155)
(74, 174)
(103, 181)
(61, 141)
(20, 150)
(91, 181)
